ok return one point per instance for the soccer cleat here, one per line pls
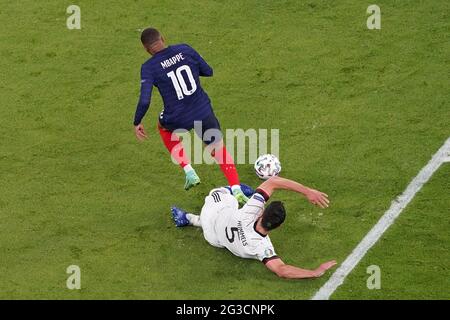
(179, 217)
(192, 179)
(246, 189)
(240, 196)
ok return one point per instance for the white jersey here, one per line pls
(225, 225)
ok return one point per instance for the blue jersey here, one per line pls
(176, 72)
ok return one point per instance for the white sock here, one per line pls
(235, 187)
(187, 168)
(194, 220)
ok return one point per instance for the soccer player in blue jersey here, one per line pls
(176, 70)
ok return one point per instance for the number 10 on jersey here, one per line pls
(179, 84)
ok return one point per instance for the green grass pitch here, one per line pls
(360, 112)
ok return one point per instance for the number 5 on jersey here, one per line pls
(179, 84)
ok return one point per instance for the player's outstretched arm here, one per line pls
(283, 270)
(314, 196)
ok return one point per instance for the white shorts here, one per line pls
(216, 202)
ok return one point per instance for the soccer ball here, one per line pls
(267, 166)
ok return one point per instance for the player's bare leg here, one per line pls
(194, 220)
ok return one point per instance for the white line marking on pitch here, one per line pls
(384, 223)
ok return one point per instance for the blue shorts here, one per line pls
(210, 122)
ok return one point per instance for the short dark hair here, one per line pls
(149, 36)
(273, 215)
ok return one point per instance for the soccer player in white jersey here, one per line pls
(245, 231)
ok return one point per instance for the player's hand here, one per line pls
(324, 267)
(318, 198)
(140, 133)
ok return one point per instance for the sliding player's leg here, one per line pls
(175, 147)
(215, 201)
(246, 189)
(182, 218)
